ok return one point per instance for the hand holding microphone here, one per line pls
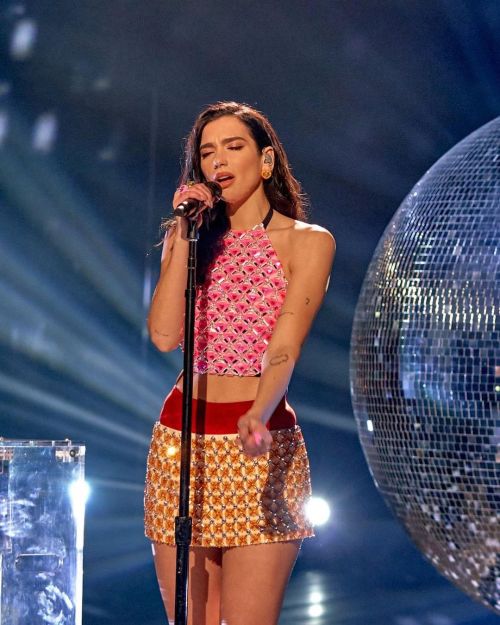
(191, 200)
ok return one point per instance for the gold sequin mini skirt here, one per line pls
(234, 499)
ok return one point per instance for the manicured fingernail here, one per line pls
(258, 438)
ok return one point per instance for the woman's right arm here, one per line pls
(166, 313)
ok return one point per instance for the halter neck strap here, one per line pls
(267, 218)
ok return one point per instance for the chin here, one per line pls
(231, 198)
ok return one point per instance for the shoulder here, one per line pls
(307, 238)
(312, 234)
(303, 233)
(307, 242)
(312, 245)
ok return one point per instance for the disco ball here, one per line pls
(425, 365)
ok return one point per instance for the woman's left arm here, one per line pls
(311, 263)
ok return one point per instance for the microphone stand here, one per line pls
(183, 522)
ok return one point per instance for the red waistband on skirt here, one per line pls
(220, 418)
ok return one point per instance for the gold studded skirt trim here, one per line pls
(234, 499)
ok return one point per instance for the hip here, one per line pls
(220, 417)
(234, 499)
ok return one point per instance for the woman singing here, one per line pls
(262, 273)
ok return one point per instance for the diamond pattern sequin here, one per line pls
(237, 307)
(234, 499)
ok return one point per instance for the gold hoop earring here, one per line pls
(266, 174)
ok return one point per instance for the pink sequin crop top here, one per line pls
(238, 305)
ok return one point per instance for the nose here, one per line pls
(218, 161)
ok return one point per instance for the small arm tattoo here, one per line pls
(160, 333)
(285, 312)
(307, 300)
(279, 359)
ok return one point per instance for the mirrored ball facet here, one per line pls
(425, 365)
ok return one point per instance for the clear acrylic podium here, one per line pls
(42, 508)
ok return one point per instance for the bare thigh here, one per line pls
(254, 580)
(204, 582)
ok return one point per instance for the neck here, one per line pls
(249, 213)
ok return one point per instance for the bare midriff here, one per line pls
(222, 388)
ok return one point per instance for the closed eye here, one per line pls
(232, 147)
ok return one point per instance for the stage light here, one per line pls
(315, 597)
(315, 610)
(317, 511)
(79, 491)
(4, 126)
(23, 39)
(45, 132)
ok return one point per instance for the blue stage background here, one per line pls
(95, 98)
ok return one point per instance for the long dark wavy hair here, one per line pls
(282, 190)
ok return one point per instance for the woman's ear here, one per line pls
(267, 162)
(268, 157)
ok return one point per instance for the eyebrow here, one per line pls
(224, 141)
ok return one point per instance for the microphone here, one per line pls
(191, 208)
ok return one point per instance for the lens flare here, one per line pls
(317, 510)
